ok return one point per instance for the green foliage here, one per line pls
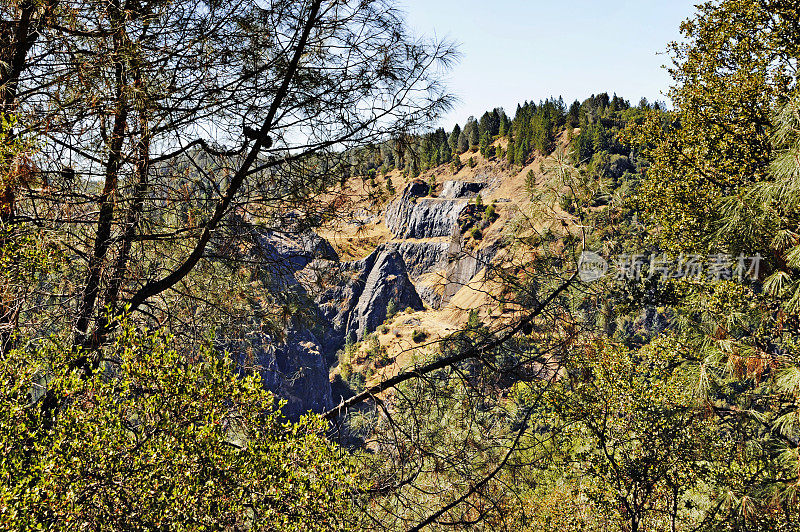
(631, 440)
(391, 309)
(490, 213)
(153, 441)
(418, 336)
(432, 186)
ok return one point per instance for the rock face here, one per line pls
(388, 281)
(295, 370)
(463, 266)
(461, 189)
(356, 304)
(351, 298)
(421, 257)
(414, 216)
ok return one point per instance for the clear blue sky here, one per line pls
(517, 50)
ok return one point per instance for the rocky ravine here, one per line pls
(426, 261)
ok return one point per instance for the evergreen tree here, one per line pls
(463, 141)
(453, 139)
(474, 138)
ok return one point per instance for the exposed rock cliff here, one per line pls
(463, 265)
(356, 303)
(427, 260)
(296, 369)
(461, 189)
(421, 257)
(414, 216)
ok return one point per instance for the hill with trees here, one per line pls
(240, 292)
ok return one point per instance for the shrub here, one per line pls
(126, 432)
(391, 309)
(418, 336)
(357, 382)
(476, 233)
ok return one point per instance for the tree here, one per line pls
(171, 137)
(727, 75)
(474, 135)
(452, 140)
(463, 141)
(637, 444)
(158, 192)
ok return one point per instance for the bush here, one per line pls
(476, 233)
(357, 382)
(125, 448)
(471, 162)
(391, 309)
(418, 336)
(374, 347)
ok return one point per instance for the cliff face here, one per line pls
(356, 304)
(421, 257)
(414, 215)
(295, 369)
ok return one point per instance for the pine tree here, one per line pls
(463, 141)
(474, 139)
(453, 139)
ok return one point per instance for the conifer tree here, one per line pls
(452, 141)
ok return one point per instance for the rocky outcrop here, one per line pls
(431, 286)
(350, 299)
(414, 216)
(388, 281)
(295, 369)
(464, 265)
(292, 251)
(421, 257)
(461, 189)
(355, 303)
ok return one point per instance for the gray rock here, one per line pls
(461, 189)
(355, 303)
(426, 218)
(292, 251)
(388, 281)
(463, 266)
(421, 257)
(430, 292)
(295, 369)
(414, 216)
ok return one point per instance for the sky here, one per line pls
(517, 50)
